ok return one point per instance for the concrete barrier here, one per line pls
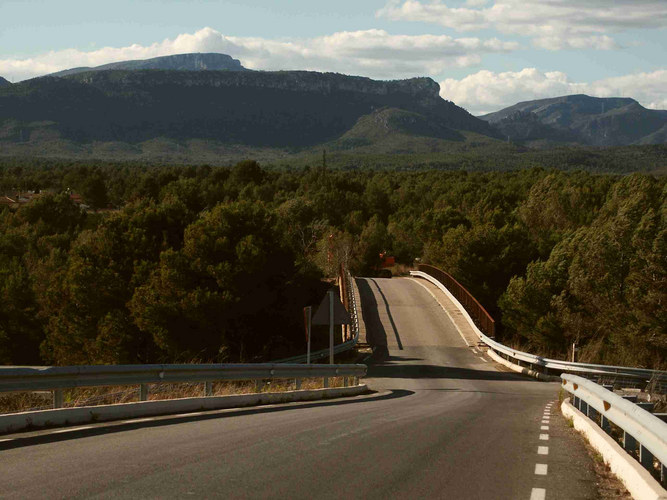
(636, 479)
(520, 369)
(87, 414)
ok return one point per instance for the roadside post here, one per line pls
(331, 312)
(331, 325)
(307, 311)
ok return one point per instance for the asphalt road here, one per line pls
(445, 423)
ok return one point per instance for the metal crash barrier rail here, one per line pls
(642, 432)
(58, 378)
(639, 375)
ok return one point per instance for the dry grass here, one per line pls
(95, 396)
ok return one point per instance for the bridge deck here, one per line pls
(445, 423)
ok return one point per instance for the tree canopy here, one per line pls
(214, 263)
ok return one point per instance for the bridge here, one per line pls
(446, 421)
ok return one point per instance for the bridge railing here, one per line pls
(629, 375)
(641, 431)
(59, 378)
(477, 312)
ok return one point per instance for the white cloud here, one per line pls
(553, 24)
(486, 91)
(373, 53)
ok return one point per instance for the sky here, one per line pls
(485, 54)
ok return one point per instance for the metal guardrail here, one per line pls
(640, 428)
(538, 362)
(57, 378)
(344, 346)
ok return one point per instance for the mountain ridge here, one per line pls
(164, 102)
(580, 119)
(198, 61)
(283, 109)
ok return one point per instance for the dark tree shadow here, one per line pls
(376, 335)
(422, 371)
(391, 318)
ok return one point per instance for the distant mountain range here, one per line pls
(281, 109)
(211, 101)
(179, 62)
(582, 120)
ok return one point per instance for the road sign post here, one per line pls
(331, 312)
(306, 316)
(331, 325)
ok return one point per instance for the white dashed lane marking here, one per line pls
(538, 494)
(541, 469)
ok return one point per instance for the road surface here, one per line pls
(444, 423)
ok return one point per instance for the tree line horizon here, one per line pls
(204, 263)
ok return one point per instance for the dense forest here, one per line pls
(174, 264)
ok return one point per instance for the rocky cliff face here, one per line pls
(281, 109)
(3, 82)
(179, 62)
(423, 89)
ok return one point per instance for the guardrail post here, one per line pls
(645, 458)
(584, 407)
(143, 392)
(629, 442)
(604, 423)
(326, 382)
(259, 384)
(58, 398)
(208, 389)
(346, 381)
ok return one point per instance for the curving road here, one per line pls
(444, 423)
